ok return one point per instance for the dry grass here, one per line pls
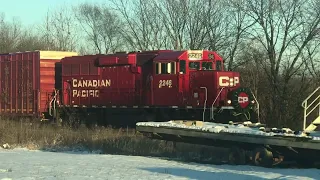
(106, 140)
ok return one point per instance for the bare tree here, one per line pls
(170, 24)
(60, 30)
(101, 25)
(28, 41)
(284, 28)
(217, 25)
(9, 34)
(143, 26)
(201, 19)
(175, 17)
(237, 29)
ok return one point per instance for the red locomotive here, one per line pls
(124, 88)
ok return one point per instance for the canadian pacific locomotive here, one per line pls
(124, 88)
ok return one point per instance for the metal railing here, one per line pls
(52, 104)
(205, 103)
(258, 105)
(307, 106)
(212, 105)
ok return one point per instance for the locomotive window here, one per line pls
(158, 68)
(207, 66)
(194, 65)
(166, 68)
(182, 66)
(171, 68)
(218, 65)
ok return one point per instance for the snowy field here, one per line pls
(26, 165)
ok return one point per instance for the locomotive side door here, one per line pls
(165, 83)
(183, 84)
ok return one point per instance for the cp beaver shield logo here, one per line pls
(243, 99)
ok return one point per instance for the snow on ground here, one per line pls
(27, 165)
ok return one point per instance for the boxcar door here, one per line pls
(165, 84)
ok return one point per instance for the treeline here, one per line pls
(273, 43)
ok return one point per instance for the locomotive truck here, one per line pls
(127, 87)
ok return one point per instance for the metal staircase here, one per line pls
(309, 108)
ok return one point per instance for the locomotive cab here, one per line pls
(196, 79)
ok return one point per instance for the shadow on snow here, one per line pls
(236, 172)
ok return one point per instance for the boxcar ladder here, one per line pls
(310, 107)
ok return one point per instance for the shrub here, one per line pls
(106, 140)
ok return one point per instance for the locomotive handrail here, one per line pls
(50, 106)
(258, 105)
(205, 103)
(211, 115)
(56, 92)
(54, 99)
(305, 101)
(306, 107)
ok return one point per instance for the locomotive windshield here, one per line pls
(194, 65)
(206, 66)
(203, 66)
(218, 66)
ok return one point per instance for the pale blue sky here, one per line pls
(30, 12)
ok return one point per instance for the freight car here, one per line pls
(28, 80)
(127, 87)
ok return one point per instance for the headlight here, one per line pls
(229, 101)
(252, 101)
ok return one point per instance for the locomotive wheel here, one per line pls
(237, 156)
(262, 157)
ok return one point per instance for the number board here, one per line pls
(195, 55)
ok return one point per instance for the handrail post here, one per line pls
(304, 117)
(211, 112)
(319, 110)
(258, 105)
(205, 103)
